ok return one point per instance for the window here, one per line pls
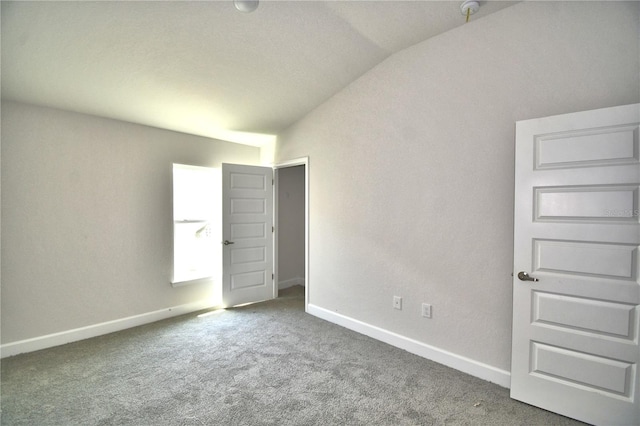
(196, 223)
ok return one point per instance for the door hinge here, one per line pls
(273, 181)
(273, 229)
(273, 276)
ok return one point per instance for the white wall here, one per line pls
(291, 219)
(412, 167)
(87, 218)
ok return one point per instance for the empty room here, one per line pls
(320, 212)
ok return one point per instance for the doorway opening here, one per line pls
(291, 238)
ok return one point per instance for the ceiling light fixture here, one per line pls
(246, 6)
(469, 7)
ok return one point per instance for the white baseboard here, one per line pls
(441, 356)
(56, 339)
(290, 283)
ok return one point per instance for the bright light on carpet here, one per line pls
(208, 314)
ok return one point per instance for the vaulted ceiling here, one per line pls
(203, 67)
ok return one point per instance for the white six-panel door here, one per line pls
(577, 231)
(247, 220)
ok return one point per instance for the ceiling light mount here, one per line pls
(246, 6)
(469, 7)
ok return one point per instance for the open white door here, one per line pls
(247, 220)
(577, 234)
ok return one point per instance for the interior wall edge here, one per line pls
(87, 215)
(291, 282)
(412, 191)
(95, 330)
(432, 353)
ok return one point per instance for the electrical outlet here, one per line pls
(426, 310)
(397, 302)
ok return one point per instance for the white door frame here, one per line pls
(303, 161)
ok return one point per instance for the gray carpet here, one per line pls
(262, 364)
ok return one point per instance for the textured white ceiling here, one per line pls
(202, 67)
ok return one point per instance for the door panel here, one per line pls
(582, 314)
(616, 261)
(617, 144)
(247, 202)
(580, 370)
(577, 231)
(585, 203)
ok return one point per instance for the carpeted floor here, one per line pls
(262, 364)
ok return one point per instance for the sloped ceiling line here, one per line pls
(203, 67)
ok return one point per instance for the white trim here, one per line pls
(441, 356)
(61, 338)
(290, 283)
(303, 161)
(204, 280)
